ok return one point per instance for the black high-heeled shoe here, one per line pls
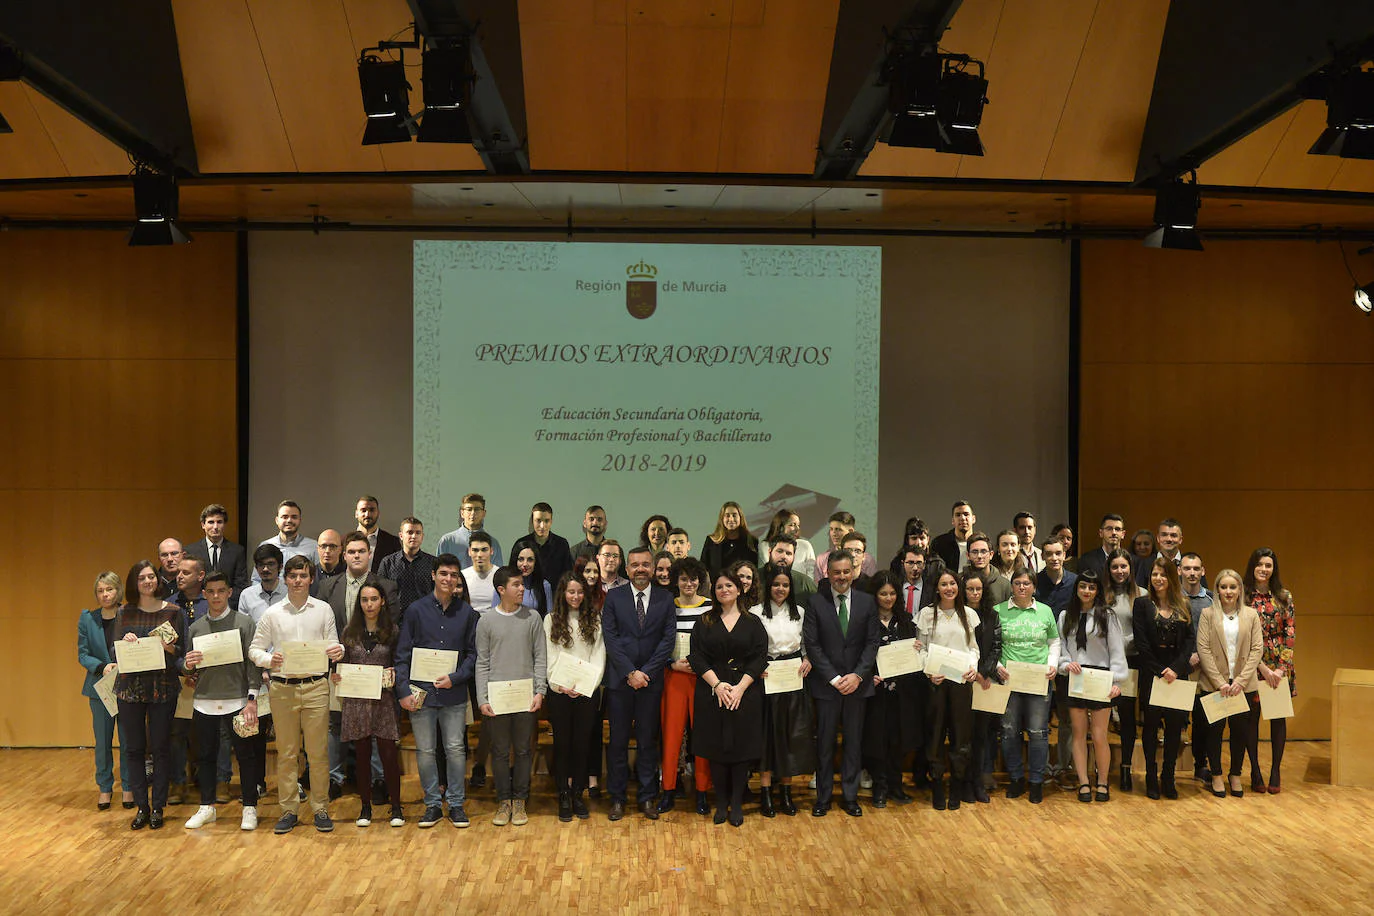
(1236, 788)
(719, 817)
(1127, 783)
(1104, 792)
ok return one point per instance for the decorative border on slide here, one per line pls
(865, 265)
(432, 259)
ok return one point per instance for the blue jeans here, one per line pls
(103, 724)
(1032, 715)
(453, 721)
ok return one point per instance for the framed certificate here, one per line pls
(784, 676)
(223, 648)
(506, 697)
(897, 658)
(952, 664)
(145, 654)
(993, 699)
(360, 682)
(304, 658)
(1026, 677)
(1275, 702)
(428, 665)
(1091, 684)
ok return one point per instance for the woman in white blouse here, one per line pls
(573, 628)
(1090, 635)
(1230, 640)
(1121, 592)
(789, 742)
(949, 623)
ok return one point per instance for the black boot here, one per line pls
(1127, 784)
(703, 804)
(785, 804)
(766, 802)
(667, 801)
(579, 807)
(1166, 783)
(565, 806)
(937, 793)
(1151, 783)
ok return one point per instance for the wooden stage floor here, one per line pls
(1304, 851)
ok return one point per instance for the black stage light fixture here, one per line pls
(447, 81)
(155, 202)
(1349, 117)
(936, 101)
(1176, 206)
(385, 99)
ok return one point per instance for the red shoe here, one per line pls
(1275, 790)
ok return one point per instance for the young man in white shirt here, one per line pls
(481, 591)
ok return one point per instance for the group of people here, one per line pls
(755, 654)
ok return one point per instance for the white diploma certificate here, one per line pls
(304, 658)
(1277, 702)
(360, 682)
(993, 700)
(1091, 684)
(1131, 686)
(144, 655)
(784, 675)
(575, 674)
(1178, 695)
(682, 646)
(897, 658)
(506, 697)
(1218, 707)
(428, 665)
(953, 664)
(104, 689)
(1027, 677)
(223, 648)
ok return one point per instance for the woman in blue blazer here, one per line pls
(94, 650)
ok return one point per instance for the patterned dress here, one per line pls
(370, 718)
(1277, 620)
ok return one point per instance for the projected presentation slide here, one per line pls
(647, 379)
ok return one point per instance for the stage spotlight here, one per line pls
(1176, 206)
(1364, 298)
(446, 81)
(1349, 117)
(936, 102)
(385, 99)
(155, 202)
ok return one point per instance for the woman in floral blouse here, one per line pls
(1264, 592)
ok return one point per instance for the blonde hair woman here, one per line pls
(1230, 641)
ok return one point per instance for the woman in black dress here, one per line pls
(730, 541)
(1164, 640)
(370, 639)
(729, 653)
(894, 715)
(987, 728)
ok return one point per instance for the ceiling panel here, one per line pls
(29, 152)
(1242, 163)
(234, 113)
(1289, 165)
(84, 152)
(1098, 136)
(675, 92)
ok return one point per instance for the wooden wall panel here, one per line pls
(1233, 390)
(121, 419)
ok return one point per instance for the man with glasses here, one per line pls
(456, 542)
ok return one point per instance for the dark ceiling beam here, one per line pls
(497, 106)
(115, 66)
(1226, 67)
(856, 94)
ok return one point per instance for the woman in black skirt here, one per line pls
(789, 740)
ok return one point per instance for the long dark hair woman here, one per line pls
(1264, 592)
(148, 699)
(789, 739)
(729, 654)
(574, 628)
(948, 622)
(95, 639)
(538, 593)
(1090, 637)
(1120, 592)
(987, 727)
(588, 572)
(1164, 641)
(894, 717)
(370, 639)
(730, 541)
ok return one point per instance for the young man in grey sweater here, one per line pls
(510, 647)
(222, 692)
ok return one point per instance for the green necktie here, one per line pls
(844, 614)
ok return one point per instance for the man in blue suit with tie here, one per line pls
(840, 632)
(640, 626)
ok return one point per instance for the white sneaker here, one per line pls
(250, 819)
(205, 814)
(865, 781)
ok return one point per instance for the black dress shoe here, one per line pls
(155, 819)
(1036, 793)
(703, 804)
(667, 801)
(785, 803)
(980, 792)
(479, 776)
(880, 799)
(1016, 789)
(617, 810)
(140, 820)
(579, 807)
(565, 806)
(102, 806)
(1167, 787)
(126, 805)
(820, 809)
(852, 808)
(649, 808)
(937, 795)
(1151, 786)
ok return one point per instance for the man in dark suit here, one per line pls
(555, 556)
(640, 625)
(840, 631)
(383, 543)
(950, 546)
(218, 553)
(1112, 531)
